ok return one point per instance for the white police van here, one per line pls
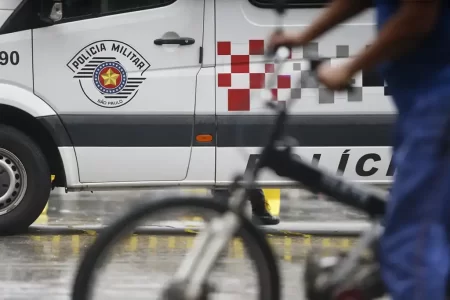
(114, 94)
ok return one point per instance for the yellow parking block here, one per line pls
(44, 212)
(273, 197)
(41, 220)
(198, 192)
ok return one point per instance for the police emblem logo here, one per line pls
(110, 77)
(103, 71)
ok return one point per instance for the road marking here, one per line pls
(286, 248)
(189, 242)
(307, 240)
(346, 244)
(238, 248)
(133, 243)
(171, 242)
(56, 242)
(76, 244)
(152, 243)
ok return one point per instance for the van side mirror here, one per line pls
(55, 14)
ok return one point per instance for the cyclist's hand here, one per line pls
(279, 39)
(335, 77)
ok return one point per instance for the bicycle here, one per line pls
(336, 277)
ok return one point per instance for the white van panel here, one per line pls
(132, 163)
(244, 26)
(205, 92)
(159, 83)
(359, 164)
(241, 32)
(9, 4)
(4, 15)
(209, 36)
(16, 59)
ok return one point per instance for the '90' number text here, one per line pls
(9, 58)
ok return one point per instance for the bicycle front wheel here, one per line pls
(253, 240)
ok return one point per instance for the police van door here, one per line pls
(122, 76)
(348, 134)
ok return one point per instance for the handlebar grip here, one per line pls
(271, 52)
(315, 63)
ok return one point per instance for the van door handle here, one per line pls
(182, 41)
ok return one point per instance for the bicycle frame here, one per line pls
(276, 155)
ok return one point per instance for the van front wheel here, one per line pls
(24, 180)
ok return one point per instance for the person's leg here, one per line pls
(260, 208)
(446, 148)
(414, 248)
(260, 211)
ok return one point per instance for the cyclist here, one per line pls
(412, 53)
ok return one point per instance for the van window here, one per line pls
(111, 6)
(291, 3)
(75, 8)
(91, 8)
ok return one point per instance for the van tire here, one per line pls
(32, 181)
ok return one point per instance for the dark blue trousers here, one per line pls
(415, 249)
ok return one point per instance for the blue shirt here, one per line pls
(424, 68)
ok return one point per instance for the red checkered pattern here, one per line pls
(245, 72)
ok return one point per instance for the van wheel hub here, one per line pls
(13, 181)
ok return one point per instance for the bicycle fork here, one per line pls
(188, 282)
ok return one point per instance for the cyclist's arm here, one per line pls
(412, 23)
(337, 12)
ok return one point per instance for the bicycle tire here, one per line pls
(259, 250)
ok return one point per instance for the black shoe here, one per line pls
(261, 208)
(265, 218)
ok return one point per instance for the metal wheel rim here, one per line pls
(13, 181)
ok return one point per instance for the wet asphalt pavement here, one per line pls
(87, 207)
(41, 265)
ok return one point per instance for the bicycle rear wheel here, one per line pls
(253, 240)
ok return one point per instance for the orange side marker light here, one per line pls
(204, 138)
